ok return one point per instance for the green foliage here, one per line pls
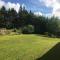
(54, 26)
(17, 31)
(23, 20)
(29, 29)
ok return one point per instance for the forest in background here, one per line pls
(28, 23)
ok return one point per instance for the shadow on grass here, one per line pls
(53, 54)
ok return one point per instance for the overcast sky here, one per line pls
(42, 7)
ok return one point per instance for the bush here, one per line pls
(4, 31)
(29, 29)
(17, 31)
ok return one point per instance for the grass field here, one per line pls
(25, 47)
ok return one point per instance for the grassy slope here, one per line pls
(24, 47)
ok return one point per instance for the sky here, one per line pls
(39, 7)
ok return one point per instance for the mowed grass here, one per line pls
(25, 47)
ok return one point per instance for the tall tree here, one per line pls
(3, 13)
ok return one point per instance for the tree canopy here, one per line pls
(10, 19)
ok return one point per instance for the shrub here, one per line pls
(17, 31)
(29, 29)
(4, 31)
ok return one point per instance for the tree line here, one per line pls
(28, 22)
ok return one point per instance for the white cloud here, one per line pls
(12, 5)
(2, 3)
(48, 2)
(38, 13)
(48, 15)
(9, 5)
(55, 4)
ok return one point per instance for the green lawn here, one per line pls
(25, 47)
